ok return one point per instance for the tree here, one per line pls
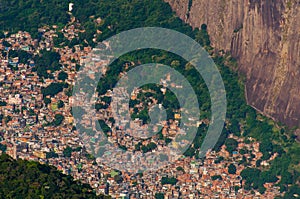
(266, 147)
(190, 152)
(2, 35)
(46, 60)
(202, 36)
(204, 27)
(216, 177)
(152, 146)
(47, 100)
(2, 147)
(67, 152)
(258, 163)
(231, 169)
(52, 89)
(59, 39)
(143, 115)
(219, 159)
(60, 104)
(292, 192)
(77, 67)
(58, 118)
(104, 127)
(166, 180)
(7, 119)
(21, 54)
(159, 196)
(28, 179)
(106, 99)
(234, 127)
(267, 176)
(252, 176)
(62, 76)
(262, 189)
(221, 140)
(179, 168)
(2, 103)
(231, 145)
(6, 44)
(99, 106)
(51, 154)
(118, 179)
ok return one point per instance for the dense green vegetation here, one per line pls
(58, 119)
(167, 180)
(231, 145)
(47, 101)
(159, 196)
(60, 104)
(51, 154)
(216, 177)
(2, 147)
(31, 14)
(231, 169)
(149, 147)
(2, 103)
(18, 15)
(22, 179)
(52, 89)
(23, 55)
(67, 152)
(46, 60)
(62, 76)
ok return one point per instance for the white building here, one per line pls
(71, 7)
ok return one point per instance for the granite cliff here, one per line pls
(264, 36)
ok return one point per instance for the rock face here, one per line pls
(264, 36)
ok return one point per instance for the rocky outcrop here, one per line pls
(264, 36)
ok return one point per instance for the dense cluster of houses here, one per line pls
(28, 133)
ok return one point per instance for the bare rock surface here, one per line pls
(264, 36)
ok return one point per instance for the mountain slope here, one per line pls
(241, 118)
(23, 179)
(264, 36)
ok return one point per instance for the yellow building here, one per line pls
(177, 116)
(39, 154)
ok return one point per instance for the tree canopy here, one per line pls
(24, 179)
(52, 89)
(231, 169)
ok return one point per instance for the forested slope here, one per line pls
(22, 179)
